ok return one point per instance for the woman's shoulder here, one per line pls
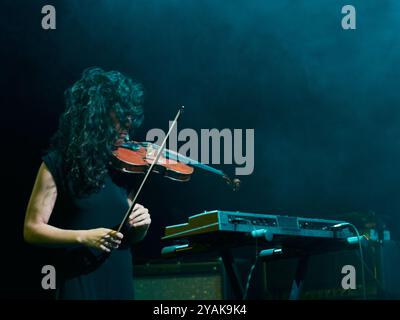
(52, 156)
(53, 161)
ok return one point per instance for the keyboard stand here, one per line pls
(230, 268)
(299, 277)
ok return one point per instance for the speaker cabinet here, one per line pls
(174, 280)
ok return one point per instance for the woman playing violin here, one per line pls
(76, 205)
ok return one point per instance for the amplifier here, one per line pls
(176, 280)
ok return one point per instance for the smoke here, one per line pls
(323, 101)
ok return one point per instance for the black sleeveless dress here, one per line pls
(84, 273)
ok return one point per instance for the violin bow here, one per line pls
(155, 160)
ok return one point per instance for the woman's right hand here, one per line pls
(101, 238)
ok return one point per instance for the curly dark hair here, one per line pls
(87, 132)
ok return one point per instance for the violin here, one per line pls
(137, 157)
(145, 157)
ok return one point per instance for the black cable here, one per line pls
(249, 278)
(361, 259)
(345, 224)
(251, 271)
(371, 273)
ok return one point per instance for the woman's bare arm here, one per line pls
(41, 204)
(40, 207)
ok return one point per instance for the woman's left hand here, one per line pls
(139, 219)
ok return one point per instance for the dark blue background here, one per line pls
(324, 102)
